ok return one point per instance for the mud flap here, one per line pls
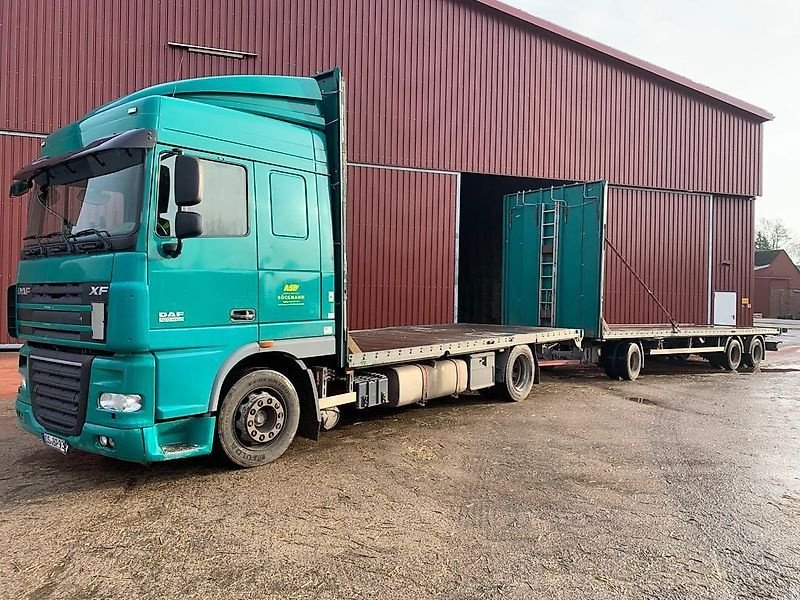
(537, 373)
(310, 419)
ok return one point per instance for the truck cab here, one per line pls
(172, 234)
(183, 282)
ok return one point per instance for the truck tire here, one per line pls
(628, 361)
(258, 418)
(608, 360)
(733, 355)
(754, 358)
(520, 373)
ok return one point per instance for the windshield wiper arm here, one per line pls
(101, 234)
(60, 234)
(38, 240)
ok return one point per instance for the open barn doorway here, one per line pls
(480, 242)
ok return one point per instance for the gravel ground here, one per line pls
(684, 484)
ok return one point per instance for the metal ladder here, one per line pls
(548, 263)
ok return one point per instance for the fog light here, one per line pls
(120, 402)
(105, 441)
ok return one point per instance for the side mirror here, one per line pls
(18, 188)
(188, 181)
(188, 224)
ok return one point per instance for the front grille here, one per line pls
(59, 385)
(64, 311)
(56, 293)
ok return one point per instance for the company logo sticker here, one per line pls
(98, 290)
(23, 290)
(291, 295)
(170, 316)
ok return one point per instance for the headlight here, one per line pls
(120, 402)
(24, 384)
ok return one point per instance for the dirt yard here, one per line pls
(684, 484)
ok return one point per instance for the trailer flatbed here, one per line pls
(627, 332)
(395, 345)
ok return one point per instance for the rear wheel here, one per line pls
(520, 373)
(628, 361)
(733, 355)
(756, 355)
(258, 418)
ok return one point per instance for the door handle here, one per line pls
(243, 314)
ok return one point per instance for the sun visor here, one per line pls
(134, 138)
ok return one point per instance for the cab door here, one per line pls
(203, 302)
(288, 254)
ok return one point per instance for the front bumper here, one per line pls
(181, 438)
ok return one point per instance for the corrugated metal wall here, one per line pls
(433, 84)
(401, 247)
(664, 238)
(439, 84)
(13, 213)
(734, 250)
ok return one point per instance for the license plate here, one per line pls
(56, 443)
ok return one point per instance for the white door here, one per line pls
(725, 308)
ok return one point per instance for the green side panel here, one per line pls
(579, 259)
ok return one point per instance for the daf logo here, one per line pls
(98, 290)
(23, 290)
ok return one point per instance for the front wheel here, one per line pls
(258, 418)
(628, 361)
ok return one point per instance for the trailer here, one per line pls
(556, 248)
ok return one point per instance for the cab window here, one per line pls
(224, 205)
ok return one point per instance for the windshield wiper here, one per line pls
(38, 240)
(60, 234)
(102, 235)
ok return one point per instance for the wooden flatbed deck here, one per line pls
(392, 345)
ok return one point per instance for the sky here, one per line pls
(750, 50)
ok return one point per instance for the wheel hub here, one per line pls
(261, 417)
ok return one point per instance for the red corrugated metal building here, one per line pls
(442, 93)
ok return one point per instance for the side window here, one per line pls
(224, 205)
(287, 197)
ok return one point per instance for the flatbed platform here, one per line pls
(393, 345)
(627, 332)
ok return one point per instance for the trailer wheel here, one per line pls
(608, 360)
(520, 373)
(733, 355)
(756, 355)
(628, 359)
(258, 418)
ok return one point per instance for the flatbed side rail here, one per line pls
(633, 332)
(455, 348)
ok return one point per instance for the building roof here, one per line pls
(630, 60)
(764, 258)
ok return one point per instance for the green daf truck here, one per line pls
(182, 287)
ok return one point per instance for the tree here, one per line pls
(773, 234)
(762, 242)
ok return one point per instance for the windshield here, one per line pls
(97, 196)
